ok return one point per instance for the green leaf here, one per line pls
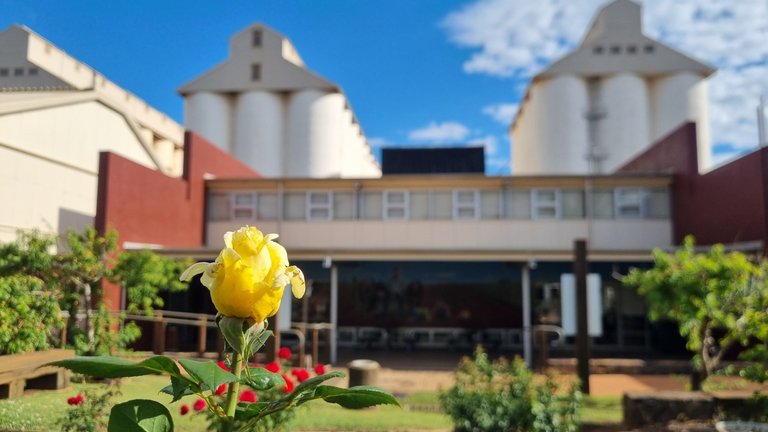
(113, 367)
(246, 411)
(315, 381)
(232, 329)
(140, 415)
(355, 397)
(262, 379)
(256, 337)
(207, 373)
(178, 388)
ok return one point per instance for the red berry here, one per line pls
(288, 384)
(199, 405)
(184, 409)
(221, 389)
(272, 367)
(320, 369)
(248, 395)
(284, 353)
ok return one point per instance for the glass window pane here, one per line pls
(371, 205)
(442, 205)
(489, 204)
(602, 204)
(218, 206)
(658, 204)
(243, 199)
(243, 213)
(573, 204)
(266, 208)
(517, 204)
(295, 203)
(342, 205)
(319, 198)
(419, 205)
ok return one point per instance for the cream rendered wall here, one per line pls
(624, 131)
(73, 134)
(209, 114)
(441, 236)
(43, 194)
(259, 129)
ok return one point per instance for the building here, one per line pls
(56, 114)
(267, 109)
(607, 101)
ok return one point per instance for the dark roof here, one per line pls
(433, 160)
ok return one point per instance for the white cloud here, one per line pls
(503, 113)
(440, 133)
(518, 39)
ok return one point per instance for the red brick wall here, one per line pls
(146, 206)
(725, 205)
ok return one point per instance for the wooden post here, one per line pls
(582, 327)
(159, 333)
(202, 335)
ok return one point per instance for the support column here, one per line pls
(582, 327)
(527, 348)
(334, 312)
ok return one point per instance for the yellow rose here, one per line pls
(249, 275)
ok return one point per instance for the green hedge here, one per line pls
(28, 312)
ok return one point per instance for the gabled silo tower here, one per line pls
(618, 92)
(266, 108)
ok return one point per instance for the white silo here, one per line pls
(259, 127)
(209, 114)
(266, 108)
(624, 131)
(608, 100)
(680, 97)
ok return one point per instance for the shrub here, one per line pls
(28, 313)
(88, 411)
(506, 396)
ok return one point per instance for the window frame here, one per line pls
(234, 207)
(387, 205)
(458, 206)
(537, 205)
(327, 205)
(620, 202)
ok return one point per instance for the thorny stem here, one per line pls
(232, 394)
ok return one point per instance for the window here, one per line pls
(572, 204)
(218, 206)
(396, 204)
(243, 205)
(441, 206)
(419, 205)
(631, 49)
(597, 49)
(545, 203)
(490, 204)
(657, 204)
(517, 204)
(18, 72)
(629, 203)
(465, 204)
(294, 206)
(266, 206)
(256, 37)
(615, 49)
(3, 72)
(319, 205)
(255, 72)
(343, 205)
(371, 205)
(602, 204)
(648, 49)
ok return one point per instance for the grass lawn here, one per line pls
(43, 411)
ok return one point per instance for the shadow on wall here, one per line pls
(71, 219)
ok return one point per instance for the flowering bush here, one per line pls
(246, 284)
(276, 421)
(88, 410)
(504, 396)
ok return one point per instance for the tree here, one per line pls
(144, 275)
(718, 300)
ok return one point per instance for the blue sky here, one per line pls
(416, 72)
